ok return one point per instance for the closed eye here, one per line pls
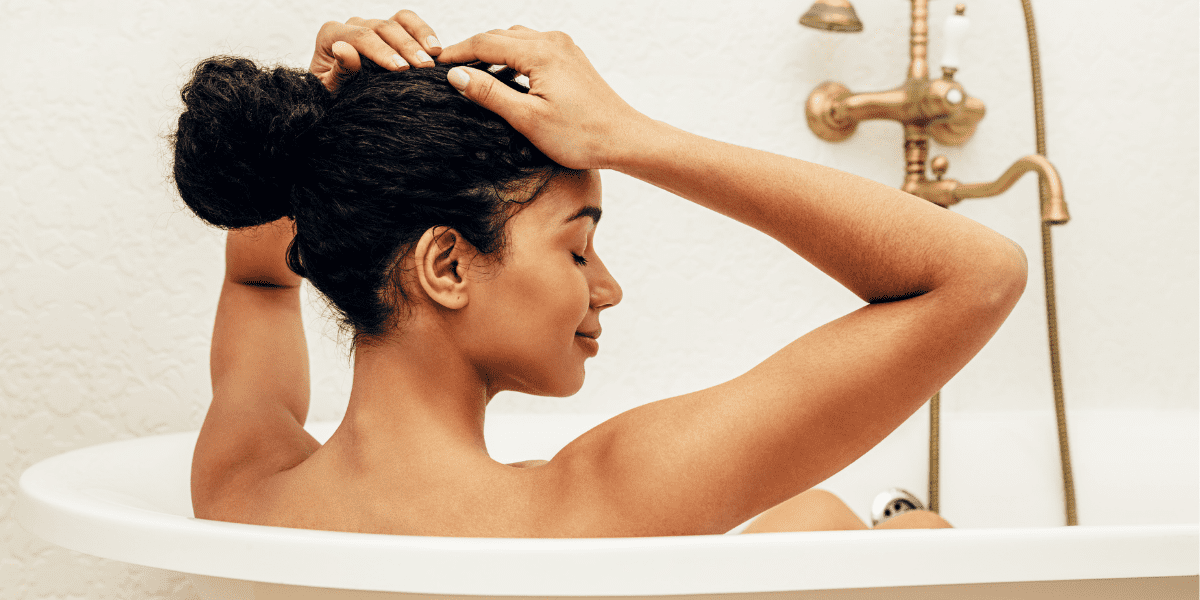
(579, 260)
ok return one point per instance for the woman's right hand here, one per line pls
(396, 44)
(570, 113)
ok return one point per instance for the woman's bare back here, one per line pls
(483, 499)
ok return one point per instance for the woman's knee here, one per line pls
(915, 519)
(812, 510)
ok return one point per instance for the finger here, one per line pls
(346, 63)
(524, 33)
(489, 93)
(399, 39)
(490, 48)
(419, 30)
(368, 43)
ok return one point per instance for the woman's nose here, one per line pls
(606, 292)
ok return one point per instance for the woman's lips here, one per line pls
(588, 343)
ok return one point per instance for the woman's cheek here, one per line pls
(582, 292)
(572, 298)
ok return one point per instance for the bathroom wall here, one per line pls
(108, 287)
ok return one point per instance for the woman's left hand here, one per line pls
(570, 113)
(397, 43)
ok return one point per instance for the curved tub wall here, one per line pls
(129, 501)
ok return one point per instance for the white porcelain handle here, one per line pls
(956, 33)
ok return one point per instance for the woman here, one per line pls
(450, 225)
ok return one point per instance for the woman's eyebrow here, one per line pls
(588, 211)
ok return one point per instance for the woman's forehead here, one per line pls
(582, 185)
(568, 197)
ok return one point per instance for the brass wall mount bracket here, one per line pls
(827, 113)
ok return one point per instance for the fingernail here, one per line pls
(433, 42)
(458, 78)
(422, 57)
(400, 62)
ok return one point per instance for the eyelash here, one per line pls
(579, 260)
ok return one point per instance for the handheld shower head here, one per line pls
(832, 15)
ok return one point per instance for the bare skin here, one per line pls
(410, 458)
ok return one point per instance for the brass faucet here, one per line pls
(925, 107)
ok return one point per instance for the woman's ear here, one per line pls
(440, 259)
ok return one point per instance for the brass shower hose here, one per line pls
(1051, 310)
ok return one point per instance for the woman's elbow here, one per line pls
(1006, 276)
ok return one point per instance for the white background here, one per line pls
(109, 286)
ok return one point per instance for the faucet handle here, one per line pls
(957, 26)
(959, 128)
(939, 165)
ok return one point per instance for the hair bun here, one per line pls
(239, 145)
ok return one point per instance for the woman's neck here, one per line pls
(415, 395)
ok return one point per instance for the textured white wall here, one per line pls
(109, 287)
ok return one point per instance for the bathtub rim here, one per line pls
(105, 523)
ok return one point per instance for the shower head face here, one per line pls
(832, 15)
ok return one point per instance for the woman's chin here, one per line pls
(571, 386)
(554, 388)
(565, 390)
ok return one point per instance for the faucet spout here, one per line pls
(1054, 209)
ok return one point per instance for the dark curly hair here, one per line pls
(364, 173)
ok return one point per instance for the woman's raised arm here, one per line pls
(881, 243)
(259, 363)
(938, 286)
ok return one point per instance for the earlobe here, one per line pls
(440, 259)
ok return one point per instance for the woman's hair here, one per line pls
(364, 172)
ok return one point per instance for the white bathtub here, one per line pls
(1136, 482)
